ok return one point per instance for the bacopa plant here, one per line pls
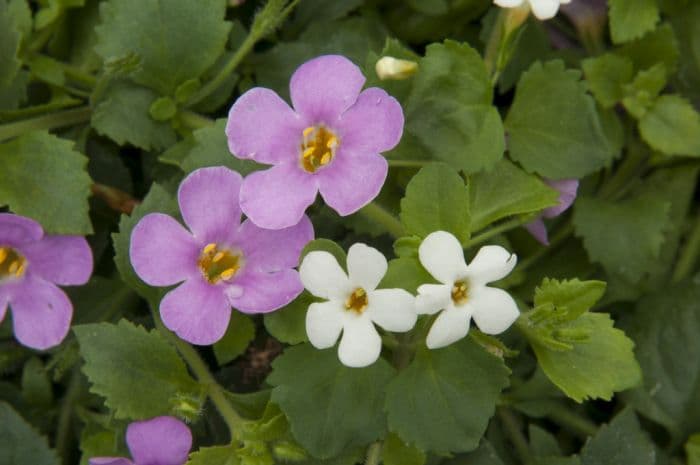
(325, 232)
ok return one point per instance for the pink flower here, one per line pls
(31, 266)
(329, 143)
(567, 194)
(220, 262)
(158, 441)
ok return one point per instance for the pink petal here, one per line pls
(159, 441)
(41, 313)
(162, 252)
(567, 194)
(208, 200)
(64, 260)
(4, 301)
(373, 124)
(538, 230)
(16, 230)
(323, 88)
(109, 461)
(258, 292)
(277, 198)
(273, 250)
(262, 127)
(196, 311)
(352, 180)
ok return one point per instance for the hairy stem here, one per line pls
(66, 413)
(50, 121)
(378, 214)
(499, 229)
(516, 436)
(570, 420)
(689, 254)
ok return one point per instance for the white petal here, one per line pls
(366, 266)
(441, 254)
(508, 3)
(392, 309)
(360, 344)
(323, 277)
(323, 323)
(544, 9)
(450, 326)
(432, 298)
(493, 310)
(491, 263)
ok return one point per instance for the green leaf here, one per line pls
(596, 367)
(436, 200)
(672, 126)
(288, 324)
(36, 387)
(217, 455)
(484, 455)
(606, 75)
(405, 273)
(123, 115)
(397, 452)
(444, 399)
(330, 407)
(692, 449)
(620, 442)
(20, 444)
(240, 332)
(658, 46)
(665, 328)
(449, 115)
(138, 373)
(174, 40)
(631, 19)
(576, 297)
(504, 191)
(35, 167)
(641, 93)
(9, 45)
(325, 245)
(553, 126)
(625, 236)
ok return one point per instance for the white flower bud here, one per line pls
(395, 68)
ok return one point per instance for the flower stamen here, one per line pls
(357, 301)
(12, 263)
(318, 147)
(218, 265)
(460, 292)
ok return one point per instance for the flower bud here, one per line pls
(395, 68)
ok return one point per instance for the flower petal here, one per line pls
(491, 263)
(323, 277)
(260, 292)
(538, 230)
(360, 344)
(109, 461)
(544, 9)
(508, 3)
(366, 266)
(392, 309)
(324, 321)
(159, 441)
(323, 88)
(4, 301)
(277, 198)
(208, 200)
(441, 254)
(373, 124)
(450, 326)
(432, 298)
(273, 250)
(196, 311)
(493, 310)
(262, 127)
(352, 180)
(16, 230)
(64, 260)
(162, 252)
(41, 313)
(567, 194)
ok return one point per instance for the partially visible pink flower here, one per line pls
(567, 194)
(158, 441)
(329, 143)
(31, 266)
(222, 262)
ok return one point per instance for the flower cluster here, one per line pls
(354, 304)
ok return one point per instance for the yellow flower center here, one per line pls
(460, 292)
(357, 301)
(12, 263)
(318, 147)
(219, 264)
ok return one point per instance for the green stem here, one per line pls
(560, 236)
(66, 413)
(572, 421)
(213, 389)
(194, 120)
(378, 214)
(72, 72)
(374, 454)
(408, 163)
(493, 46)
(50, 121)
(689, 255)
(500, 229)
(512, 429)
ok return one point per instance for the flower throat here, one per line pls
(318, 147)
(218, 265)
(12, 263)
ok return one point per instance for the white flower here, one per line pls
(543, 9)
(463, 293)
(354, 304)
